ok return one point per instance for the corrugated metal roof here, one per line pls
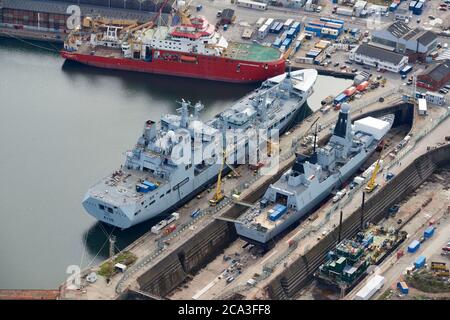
(399, 29)
(380, 54)
(439, 71)
(427, 37)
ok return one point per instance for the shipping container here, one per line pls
(428, 233)
(350, 91)
(372, 286)
(195, 213)
(142, 188)
(260, 22)
(362, 86)
(151, 185)
(288, 24)
(406, 70)
(277, 212)
(420, 262)
(340, 98)
(412, 5)
(403, 287)
(413, 246)
(252, 4)
(277, 43)
(287, 42)
(296, 26)
(269, 22)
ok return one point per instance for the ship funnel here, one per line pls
(150, 130)
(343, 126)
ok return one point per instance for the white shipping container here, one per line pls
(260, 22)
(422, 106)
(269, 22)
(372, 286)
(263, 31)
(359, 180)
(344, 11)
(376, 127)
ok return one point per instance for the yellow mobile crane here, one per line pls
(372, 185)
(218, 195)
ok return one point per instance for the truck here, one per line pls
(195, 213)
(339, 195)
(372, 286)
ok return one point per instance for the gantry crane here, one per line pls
(372, 184)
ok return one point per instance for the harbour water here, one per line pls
(62, 127)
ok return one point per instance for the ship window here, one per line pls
(142, 203)
(151, 202)
(169, 191)
(161, 195)
(137, 212)
(102, 207)
(110, 210)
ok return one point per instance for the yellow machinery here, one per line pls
(372, 184)
(218, 195)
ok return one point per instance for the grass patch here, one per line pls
(426, 281)
(386, 295)
(107, 268)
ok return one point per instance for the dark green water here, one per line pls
(62, 127)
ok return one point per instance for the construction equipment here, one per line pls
(435, 266)
(218, 195)
(372, 184)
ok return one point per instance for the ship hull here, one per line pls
(204, 67)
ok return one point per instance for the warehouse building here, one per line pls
(379, 58)
(435, 77)
(52, 15)
(414, 43)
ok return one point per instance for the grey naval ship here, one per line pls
(312, 178)
(151, 183)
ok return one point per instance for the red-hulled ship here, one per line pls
(193, 48)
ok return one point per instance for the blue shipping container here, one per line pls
(195, 213)
(420, 262)
(403, 287)
(151, 185)
(296, 26)
(393, 7)
(340, 98)
(428, 233)
(291, 33)
(277, 42)
(413, 246)
(142, 188)
(412, 5)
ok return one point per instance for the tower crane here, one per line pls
(372, 185)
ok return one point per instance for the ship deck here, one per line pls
(251, 52)
(100, 51)
(118, 188)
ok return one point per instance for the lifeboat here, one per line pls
(188, 59)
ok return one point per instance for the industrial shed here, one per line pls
(435, 77)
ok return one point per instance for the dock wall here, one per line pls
(298, 274)
(209, 242)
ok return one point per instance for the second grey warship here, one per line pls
(312, 178)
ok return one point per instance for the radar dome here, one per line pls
(345, 108)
